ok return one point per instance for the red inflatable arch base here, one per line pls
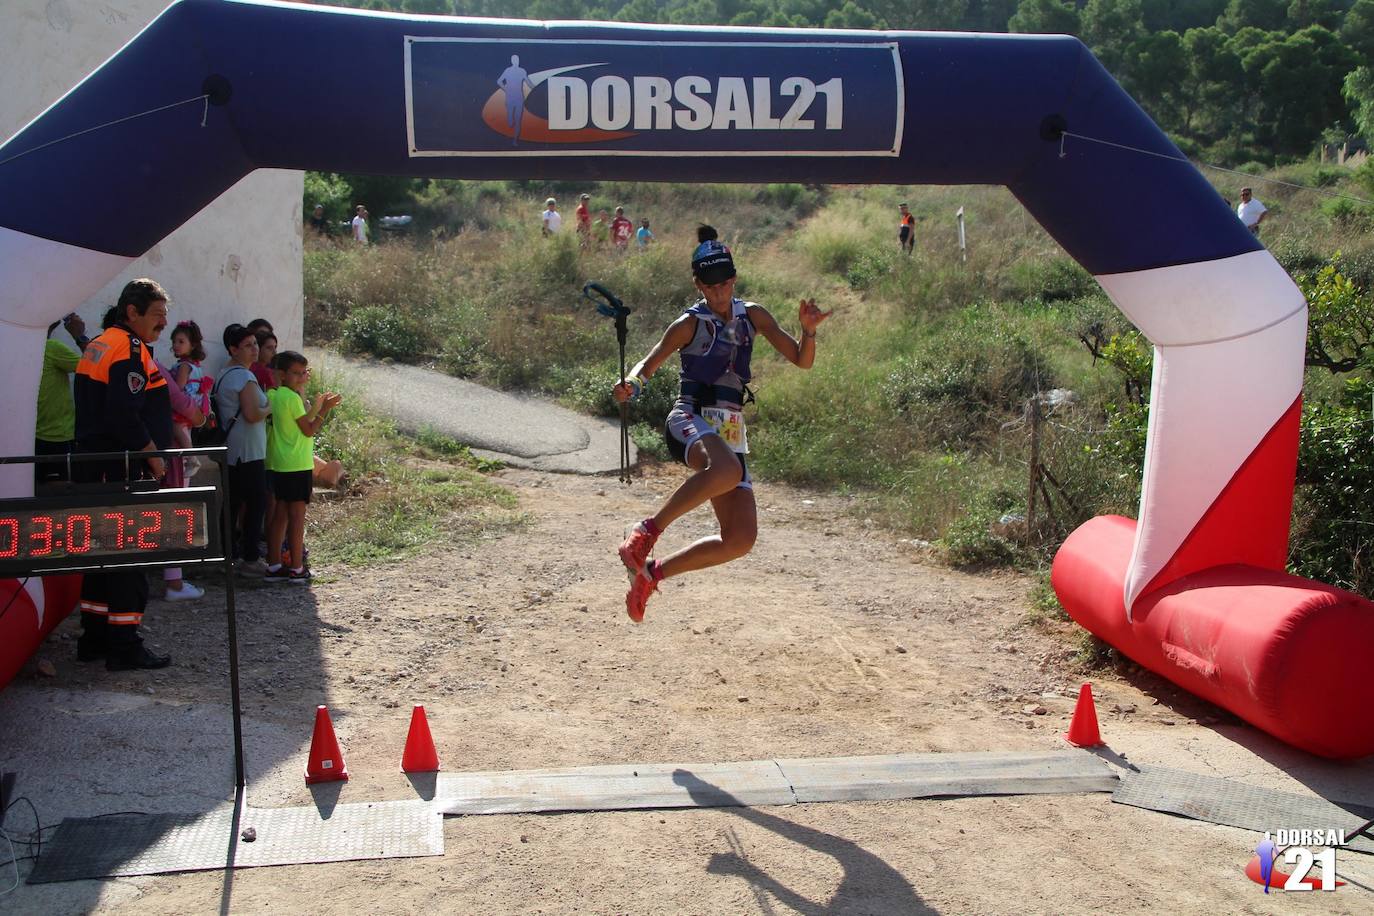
(1288, 655)
(30, 609)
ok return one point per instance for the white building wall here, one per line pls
(238, 259)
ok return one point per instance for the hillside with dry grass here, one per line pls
(918, 401)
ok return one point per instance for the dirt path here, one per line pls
(832, 638)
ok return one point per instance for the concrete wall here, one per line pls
(238, 259)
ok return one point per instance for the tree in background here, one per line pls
(1357, 31)
(333, 191)
(851, 16)
(941, 15)
(1265, 15)
(1358, 90)
(1295, 84)
(1181, 15)
(1111, 27)
(1046, 17)
(1208, 90)
(1157, 62)
(1302, 13)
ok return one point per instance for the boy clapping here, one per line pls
(291, 459)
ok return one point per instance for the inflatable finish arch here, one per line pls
(1194, 590)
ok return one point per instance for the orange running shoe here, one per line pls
(634, 552)
(638, 596)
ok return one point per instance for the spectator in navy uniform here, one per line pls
(122, 404)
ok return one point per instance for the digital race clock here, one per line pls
(91, 530)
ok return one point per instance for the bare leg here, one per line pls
(738, 529)
(269, 515)
(718, 471)
(276, 533)
(295, 533)
(328, 473)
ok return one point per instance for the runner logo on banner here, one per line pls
(508, 97)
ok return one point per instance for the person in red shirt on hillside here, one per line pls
(621, 229)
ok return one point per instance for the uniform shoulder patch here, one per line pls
(136, 382)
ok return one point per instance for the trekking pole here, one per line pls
(610, 306)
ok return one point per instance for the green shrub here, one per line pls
(1357, 266)
(1333, 540)
(951, 387)
(411, 507)
(649, 440)
(461, 355)
(331, 190)
(363, 441)
(834, 240)
(1051, 280)
(798, 199)
(1298, 254)
(1092, 471)
(445, 446)
(1094, 653)
(872, 268)
(588, 389)
(384, 332)
(1348, 213)
(836, 253)
(1364, 176)
(1313, 174)
(927, 493)
(973, 540)
(1044, 603)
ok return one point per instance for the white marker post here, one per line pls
(963, 242)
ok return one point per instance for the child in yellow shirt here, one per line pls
(291, 459)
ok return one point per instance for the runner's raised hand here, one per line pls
(810, 315)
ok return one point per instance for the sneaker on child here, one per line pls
(187, 592)
(251, 568)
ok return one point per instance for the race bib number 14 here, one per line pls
(729, 425)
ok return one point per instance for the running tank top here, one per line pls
(715, 364)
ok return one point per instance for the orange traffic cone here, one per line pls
(1083, 729)
(419, 755)
(326, 763)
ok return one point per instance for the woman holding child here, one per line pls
(243, 409)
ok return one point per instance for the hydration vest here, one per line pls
(715, 364)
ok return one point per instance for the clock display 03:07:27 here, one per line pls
(95, 531)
